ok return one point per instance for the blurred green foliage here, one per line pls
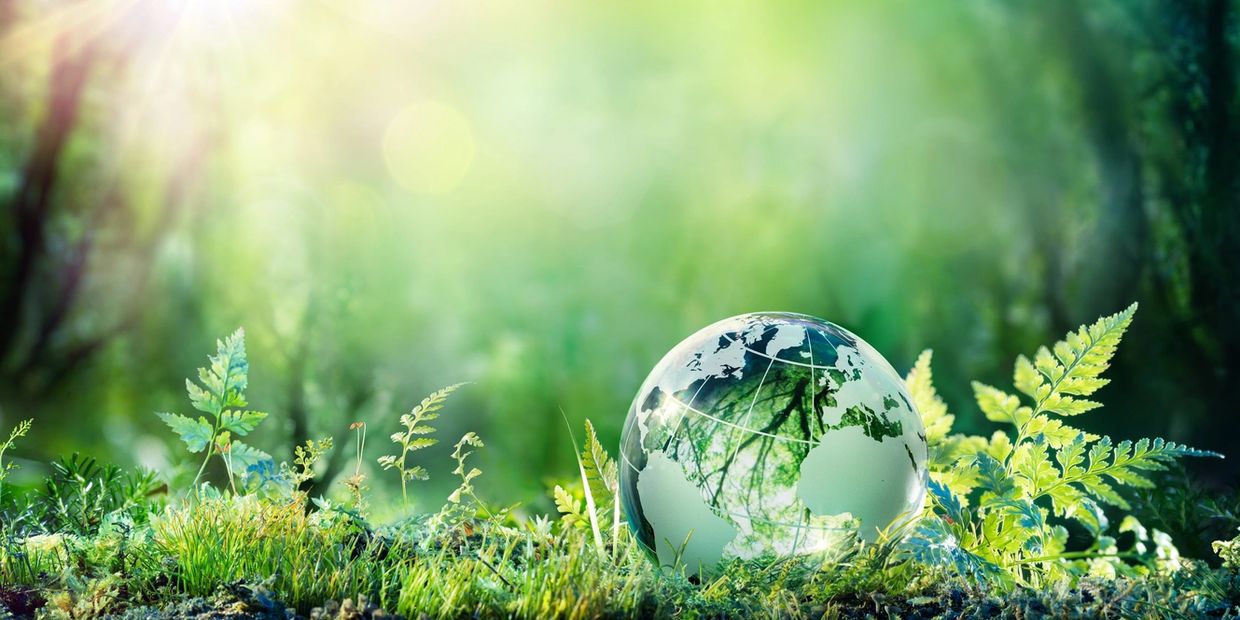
(544, 198)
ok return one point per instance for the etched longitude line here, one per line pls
(756, 392)
(684, 409)
(813, 399)
(748, 414)
(813, 381)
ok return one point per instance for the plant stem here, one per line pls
(204, 463)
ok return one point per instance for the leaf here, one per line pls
(421, 442)
(241, 422)
(934, 415)
(1071, 456)
(1026, 378)
(948, 502)
(411, 440)
(999, 406)
(569, 507)
(201, 399)
(225, 378)
(1034, 471)
(417, 472)
(993, 478)
(599, 469)
(243, 455)
(426, 409)
(932, 543)
(1054, 431)
(195, 433)
(1073, 369)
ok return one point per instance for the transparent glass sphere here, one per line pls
(769, 435)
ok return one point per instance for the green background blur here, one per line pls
(544, 197)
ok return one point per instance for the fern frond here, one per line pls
(220, 392)
(1010, 479)
(999, 406)
(427, 409)
(934, 415)
(411, 440)
(569, 508)
(459, 454)
(599, 469)
(1057, 377)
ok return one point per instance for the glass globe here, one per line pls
(769, 435)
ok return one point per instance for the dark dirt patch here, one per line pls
(21, 601)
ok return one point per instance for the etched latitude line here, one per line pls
(761, 520)
(739, 427)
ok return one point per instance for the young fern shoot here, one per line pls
(18, 432)
(220, 394)
(461, 452)
(414, 438)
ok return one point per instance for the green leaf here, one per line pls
(426, 410)
(569, 508)
(599, 469)
(1034, 471)
(934, 415)
(243, 455)
(1026, 378)
(241, 422)
(1054, 431)
(993, 478)
(999, 406)
(1077, 361)
(1103, 492)
(1071, 456)
(201, 399)
(195, 433)
(421, 442)
(225, 378)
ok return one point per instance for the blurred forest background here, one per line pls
(543, 197)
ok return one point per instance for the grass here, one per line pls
(97, 541)
(217, 553)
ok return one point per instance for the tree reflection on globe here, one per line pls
(769, 435)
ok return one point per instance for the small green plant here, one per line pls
(357, 482)
(80, 494)
(18, 432)
(305, 457)
(414, 438)
(600, 491)
(993, 498)
(220, 393)
(460, 452)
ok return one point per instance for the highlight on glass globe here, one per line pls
(769, 435)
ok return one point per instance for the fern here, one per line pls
(220, 393)
(461, 452)
(413, 438)
(571, 511)
(18, 432)
(992, 498)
